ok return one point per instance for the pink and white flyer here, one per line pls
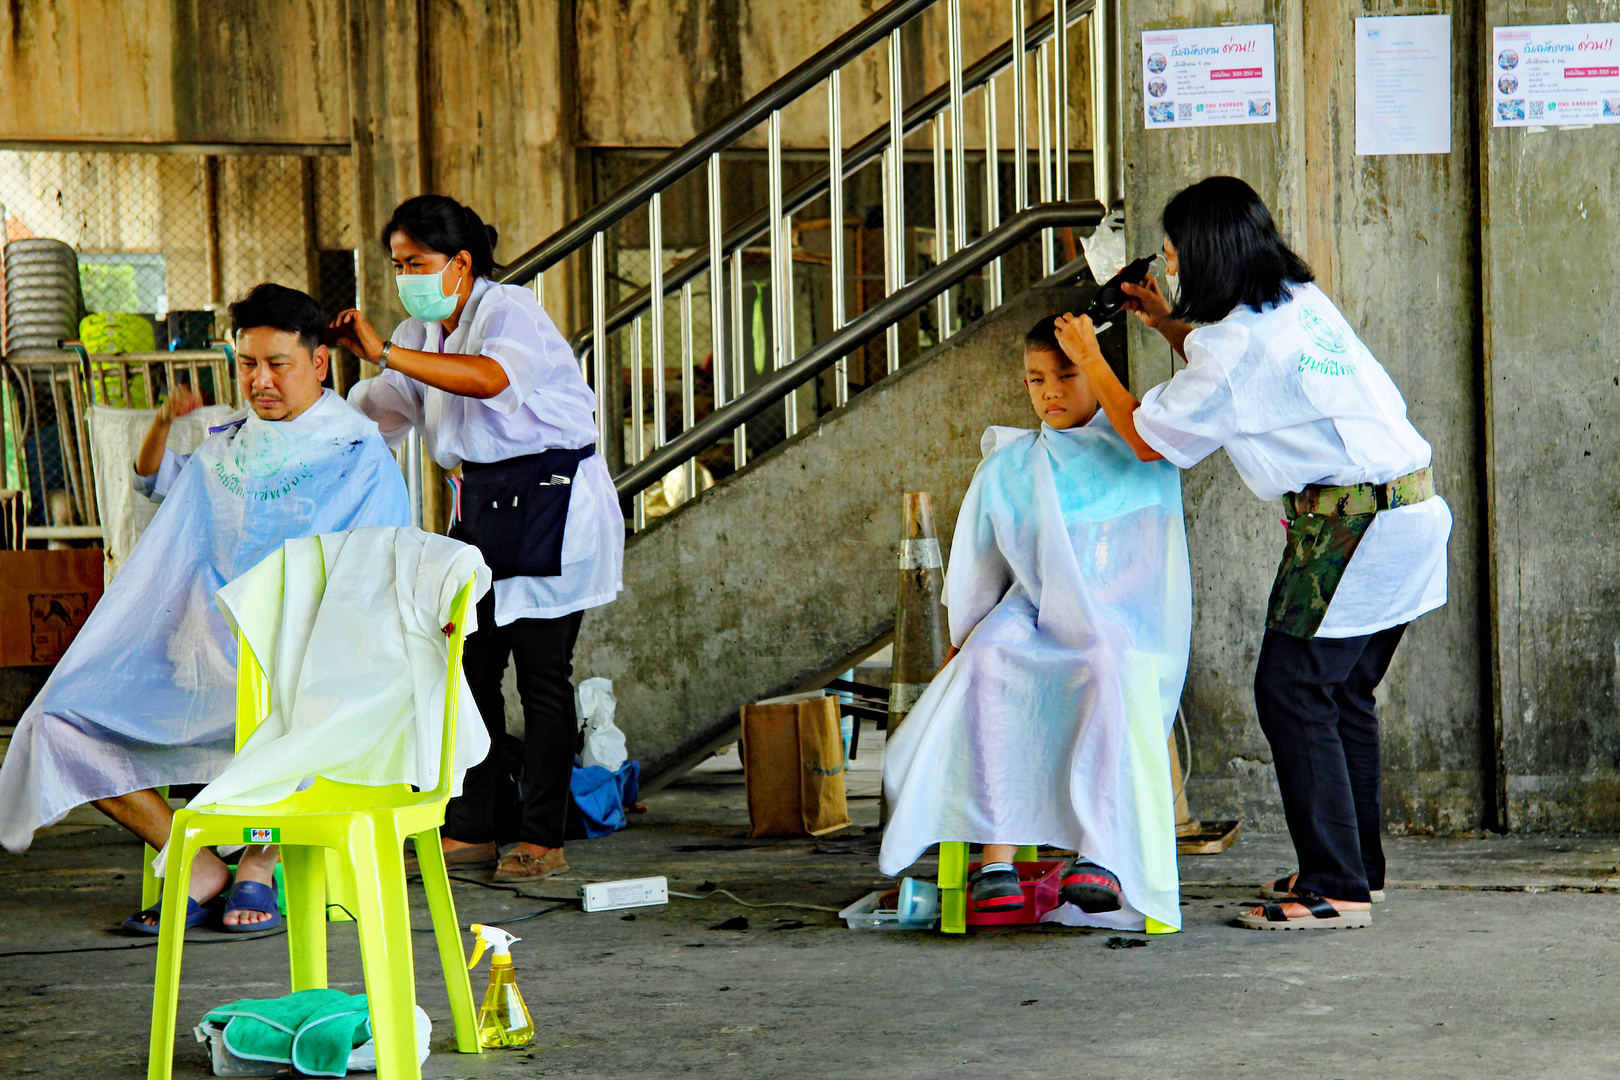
(1209, 76)
(1555, 76)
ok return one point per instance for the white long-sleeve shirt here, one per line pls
(546, 405)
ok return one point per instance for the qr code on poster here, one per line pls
(1186, 110)
(1538, 109)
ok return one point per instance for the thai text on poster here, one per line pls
(1555, 75)
(1403, 84)
(1209, 76)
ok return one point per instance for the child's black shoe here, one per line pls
(1089, 887)
(994, 887)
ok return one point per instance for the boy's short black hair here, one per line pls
(1230, 251)
(280, 308)
(1043, 335)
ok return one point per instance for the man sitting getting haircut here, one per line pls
(145, 695)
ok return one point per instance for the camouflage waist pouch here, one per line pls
(1325, 526)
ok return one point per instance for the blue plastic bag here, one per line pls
(601, 796)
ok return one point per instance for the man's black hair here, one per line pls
(439, 223)
(280, 308)
(1230, 251)
(1043, 335)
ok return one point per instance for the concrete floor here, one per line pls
(1490, 959)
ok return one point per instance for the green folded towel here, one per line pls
(312, 1030)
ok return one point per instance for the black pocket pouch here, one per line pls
(516, 512)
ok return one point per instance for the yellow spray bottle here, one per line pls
(503, 1020)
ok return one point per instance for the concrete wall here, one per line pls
(1552, 397)
(709, 56)
(195, 71)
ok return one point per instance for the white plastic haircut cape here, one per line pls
(349, 628)
(1069, 597)
(146, 694)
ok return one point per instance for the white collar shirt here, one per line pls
(547, 405)
(1295, 398)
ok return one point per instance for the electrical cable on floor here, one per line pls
(739, 900)
(232, 940)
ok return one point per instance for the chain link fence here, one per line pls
(141, 253)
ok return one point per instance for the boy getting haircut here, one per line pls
(1069, 602)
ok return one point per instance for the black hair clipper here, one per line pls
(1111, 298)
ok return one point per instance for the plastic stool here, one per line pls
(953, 893)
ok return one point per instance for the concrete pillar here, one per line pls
(1552, 407)
(388, 138)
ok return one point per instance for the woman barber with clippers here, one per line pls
(1276, 377)
(482, 373)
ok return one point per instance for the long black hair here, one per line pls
(439, 223)
(1229, 249)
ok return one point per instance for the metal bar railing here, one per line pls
(865, 327)
(870, 148)
(871, 31)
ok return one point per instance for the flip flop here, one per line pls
(1322, 916)
(1284, 886)
(250, 896)
(196, 915)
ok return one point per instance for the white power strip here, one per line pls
(636, 892)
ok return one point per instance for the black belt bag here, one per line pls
(514, 511)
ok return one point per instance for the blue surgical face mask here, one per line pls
(424, 297)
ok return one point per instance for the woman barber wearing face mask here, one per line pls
(1277, 377)
(480, 371)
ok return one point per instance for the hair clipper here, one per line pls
(1111, 298)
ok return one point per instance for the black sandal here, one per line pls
(1322, 915)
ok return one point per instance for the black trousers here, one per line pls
(543, 650)
(1315, 699)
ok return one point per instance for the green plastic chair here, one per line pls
(365, 828)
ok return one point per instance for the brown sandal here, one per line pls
(520, 865)
(462, 858)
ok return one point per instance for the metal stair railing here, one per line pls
(942, 109)
(866, 326)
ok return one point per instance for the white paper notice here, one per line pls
(1403, 84)
(1209, 75)
(1554, 75)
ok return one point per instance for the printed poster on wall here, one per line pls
(1208, 76)
(1403, 84)
(1554, 75)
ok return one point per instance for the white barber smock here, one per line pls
(546, 405)
(156, 486)
(1295, 398)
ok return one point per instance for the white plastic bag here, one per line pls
(1105, 249)
(604, 742)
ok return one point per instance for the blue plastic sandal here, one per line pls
(196, 914)
(250, 896)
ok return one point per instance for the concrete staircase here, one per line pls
(783, 575)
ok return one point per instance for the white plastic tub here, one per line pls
(864, 914)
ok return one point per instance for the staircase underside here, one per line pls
(782, 575)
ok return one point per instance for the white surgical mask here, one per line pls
(1172, 288)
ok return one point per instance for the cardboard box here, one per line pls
(45, 597)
